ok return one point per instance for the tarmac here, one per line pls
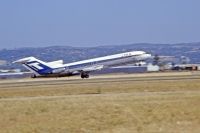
(111, 78)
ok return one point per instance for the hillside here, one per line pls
(70, 54)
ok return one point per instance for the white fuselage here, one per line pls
(108, 61)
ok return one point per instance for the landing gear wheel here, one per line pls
(84, 75)
(87, 76)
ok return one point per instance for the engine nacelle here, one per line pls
(55, 64)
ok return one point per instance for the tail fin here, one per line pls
(36, 66)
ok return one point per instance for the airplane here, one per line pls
(58, 69)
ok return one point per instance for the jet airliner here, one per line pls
(57, 68)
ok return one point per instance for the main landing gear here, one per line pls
(84, 75)
(33, 76)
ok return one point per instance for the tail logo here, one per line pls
(36, 65)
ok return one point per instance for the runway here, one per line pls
(100, 84)
(99, 79)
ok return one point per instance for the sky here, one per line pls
(40, 23)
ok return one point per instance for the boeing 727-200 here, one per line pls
(57, 68)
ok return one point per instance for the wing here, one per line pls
(93, 68)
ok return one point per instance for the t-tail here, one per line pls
(37, 67)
